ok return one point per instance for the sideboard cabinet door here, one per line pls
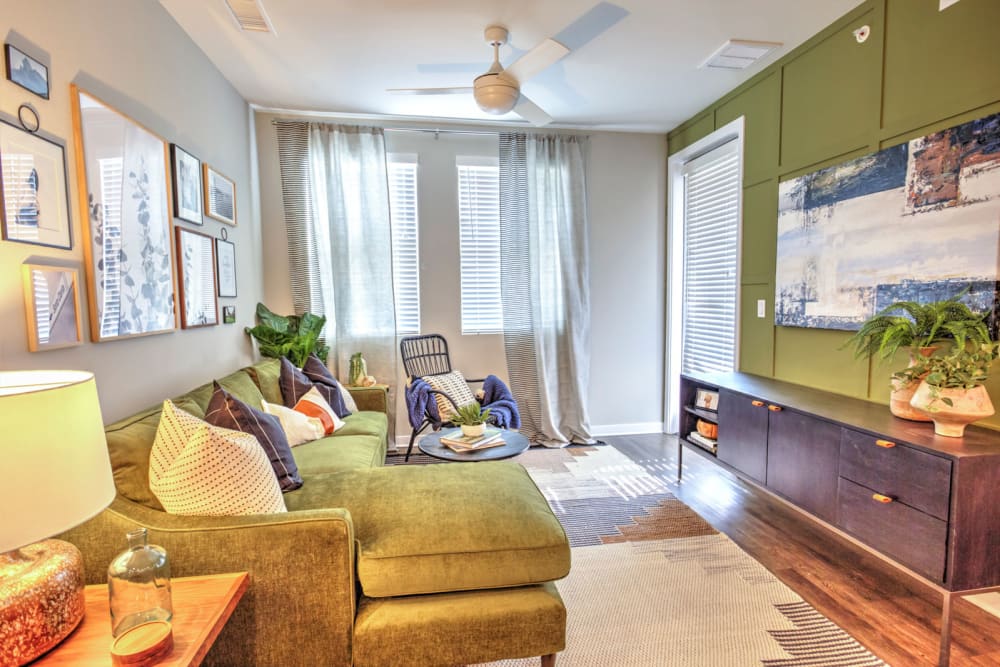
(743, 434)
(802, 461)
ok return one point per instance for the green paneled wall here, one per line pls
(830, 99)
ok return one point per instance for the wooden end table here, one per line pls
(513, 444)
(202, 606)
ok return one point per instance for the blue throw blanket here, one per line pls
(503, 407)
(420, 403)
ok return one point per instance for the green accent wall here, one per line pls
(828, 100)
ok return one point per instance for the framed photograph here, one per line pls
(26, 72)
(220, 196)
(196, 276)
(228, 314)
(707, 399)
(225, 264)
(33, 189)
(186, 170)
(125, 193)
(52, 307)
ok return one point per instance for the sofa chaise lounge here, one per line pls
(371, 566)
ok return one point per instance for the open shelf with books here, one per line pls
(699, 417)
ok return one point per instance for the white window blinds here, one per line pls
(405, 246)
(479, 242)
(711, 260)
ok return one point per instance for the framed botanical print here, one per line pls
(225, 260)
(186, 180)
(220, 196)
(52, 307)
(124, 192)
(33, 190)
(196, 277)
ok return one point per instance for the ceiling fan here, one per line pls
(498, 90)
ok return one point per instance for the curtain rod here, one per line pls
(434, 131)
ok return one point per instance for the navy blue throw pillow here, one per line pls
(316, 370)
(227, 411)
(295, 383)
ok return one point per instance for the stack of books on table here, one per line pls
(455, 440)
(703, 441)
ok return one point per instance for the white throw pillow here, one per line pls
(312, 404)
(349, 401)
(298, 428)
(454, 385)
(199, 469)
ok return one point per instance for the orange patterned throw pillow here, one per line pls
(312, 404)
(197, 469)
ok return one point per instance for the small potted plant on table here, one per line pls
(922, 328)
(471, 418)
(951, 391)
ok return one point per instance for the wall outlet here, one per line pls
(761, 308)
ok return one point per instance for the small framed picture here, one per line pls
(52, 307)
(220, 196)
(34, 198)
(186, 170)
(225, 267)
(196, 277)
(26, 72)
(707, 399)
(228, 314)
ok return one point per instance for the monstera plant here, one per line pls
(292, 336)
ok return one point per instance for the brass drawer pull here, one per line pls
(774, 408)
(878, 497)
(757, 404)
(885, 443)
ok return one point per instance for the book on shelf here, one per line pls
(458, 439)
(707, 443)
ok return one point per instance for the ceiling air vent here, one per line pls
(250, 16)
(739, 54)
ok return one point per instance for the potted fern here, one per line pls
(921, 328)
(951, 391)
(471, 419)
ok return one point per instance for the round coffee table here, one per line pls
(513, 444)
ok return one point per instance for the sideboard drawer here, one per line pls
(915, 539)
(912, 477)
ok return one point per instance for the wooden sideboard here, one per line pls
(927, 502)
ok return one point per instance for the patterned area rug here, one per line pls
(654, 585)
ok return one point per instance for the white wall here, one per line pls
(627, 184)
(134, 57)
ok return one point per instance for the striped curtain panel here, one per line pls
(545, 278)
(334, 181)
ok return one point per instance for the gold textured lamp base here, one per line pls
(41, 599)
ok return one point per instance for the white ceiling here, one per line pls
(640, 75)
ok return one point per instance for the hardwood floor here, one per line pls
(894, 615)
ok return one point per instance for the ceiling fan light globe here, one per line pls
(494, 94)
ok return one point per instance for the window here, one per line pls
(711, 221)
(479, 243)
(112, 173)
(405, 246)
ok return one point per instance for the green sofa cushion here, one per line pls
(265, 373)
(460, 628)
(339, 452)
(492, 528)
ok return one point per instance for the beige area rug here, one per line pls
(653, 585)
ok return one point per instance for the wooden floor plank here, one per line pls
(893, 614)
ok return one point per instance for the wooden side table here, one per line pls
(202, 606)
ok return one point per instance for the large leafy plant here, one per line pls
(916, 325)
(292, 336)
(963, 368)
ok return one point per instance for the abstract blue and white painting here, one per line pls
(916, 222)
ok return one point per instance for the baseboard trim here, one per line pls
(636, 428)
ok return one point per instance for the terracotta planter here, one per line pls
(968, 405)
(902, 392)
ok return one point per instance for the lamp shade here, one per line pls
(55, 458)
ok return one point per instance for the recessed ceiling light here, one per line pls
(739, 54)
(250, 15)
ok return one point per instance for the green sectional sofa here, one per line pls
(371, 566)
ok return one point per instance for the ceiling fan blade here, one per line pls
(544, 55)
(598, 19)
(531, 112)
(461, 90)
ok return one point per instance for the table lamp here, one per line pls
(57, 474)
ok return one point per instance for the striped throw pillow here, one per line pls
(454, 385)
(197, 469)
